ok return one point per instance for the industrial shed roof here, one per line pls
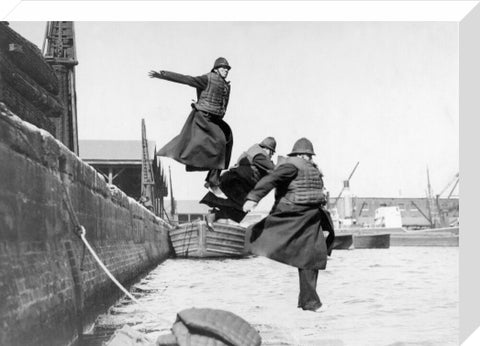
(114, 150)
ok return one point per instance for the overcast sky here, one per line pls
(381, 93)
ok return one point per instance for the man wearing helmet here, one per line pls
(205, 141)
(239, 180)
(292, 233)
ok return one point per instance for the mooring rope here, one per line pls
(81, 232)
(105, 269)
(115, 281)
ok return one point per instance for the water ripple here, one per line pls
(398, 297)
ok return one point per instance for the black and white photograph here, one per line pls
(224, 174)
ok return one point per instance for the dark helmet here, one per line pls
(221, 62)
(302, 146)
(269, 143)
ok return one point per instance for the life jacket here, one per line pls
(214, 98)
(307, 187)
(246, 159)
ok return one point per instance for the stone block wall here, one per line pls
(49, 283)
(28, 84)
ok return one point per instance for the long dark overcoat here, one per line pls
(204, 143)
(292, 234)
(235, 183)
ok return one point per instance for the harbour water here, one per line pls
(398, 296)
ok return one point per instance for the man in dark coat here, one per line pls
(239, 180)
(205, 141)
(293, 231)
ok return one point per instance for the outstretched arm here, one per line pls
(196, 82)
(154, 74)
(283, 174)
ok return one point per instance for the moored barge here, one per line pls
(198, 240)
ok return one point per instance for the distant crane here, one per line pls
(421, 212)
(432, 210)
(148, 180)
(436, 215)
(455, 179)
(364, 204)
(346, 183)
(60, 52)
(443, 213)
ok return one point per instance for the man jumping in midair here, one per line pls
(205, 141)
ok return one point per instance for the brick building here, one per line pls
(414, 211)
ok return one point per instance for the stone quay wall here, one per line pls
(48, 281)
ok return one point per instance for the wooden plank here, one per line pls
(233, 232)
(226, 251)
(228, 238)
(234, 246)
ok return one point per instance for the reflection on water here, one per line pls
(397, 296)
